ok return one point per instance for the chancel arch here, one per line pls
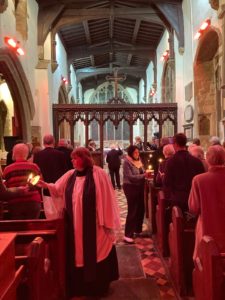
(207, 95)
(19, 88)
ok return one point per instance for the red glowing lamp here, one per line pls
(14, 45)
(202, 28)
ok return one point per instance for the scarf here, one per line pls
(89, 223)
(137, 163)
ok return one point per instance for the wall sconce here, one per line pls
(64, 80)
(205, 25)
(15, 45)
(165, 55)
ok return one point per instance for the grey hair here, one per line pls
(20, 151)
(168, 150)
(196, 151)
(215, 155)
(48, 139)
(214, 140)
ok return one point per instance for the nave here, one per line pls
(153, 266)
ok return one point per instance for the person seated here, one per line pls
(17, 174)
(207, 199)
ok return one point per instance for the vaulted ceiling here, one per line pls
(100, 35)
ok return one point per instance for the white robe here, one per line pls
(107, 218)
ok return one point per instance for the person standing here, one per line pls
(207, 201)
(51, 162)
(179, 172)
(92, 216)
(133, 186)
(114, 161)
(63, 146)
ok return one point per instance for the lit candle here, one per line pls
(30, 177)
(160, 160)
(150, 167)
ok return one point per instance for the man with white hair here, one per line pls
(52, 162)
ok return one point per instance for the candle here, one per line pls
(33, 179)
(160, 160)
(150, 167)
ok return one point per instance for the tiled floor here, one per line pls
(151, 262)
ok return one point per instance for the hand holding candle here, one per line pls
(150, 172)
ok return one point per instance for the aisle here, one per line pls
(150, 260)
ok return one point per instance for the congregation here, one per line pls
(190, 179)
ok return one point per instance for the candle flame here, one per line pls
(150, 167)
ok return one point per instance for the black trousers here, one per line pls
(115, 173)
(136, 210)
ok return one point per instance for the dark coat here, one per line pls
(67, 152)
(52, 164)
(179, 172)
(113, 159)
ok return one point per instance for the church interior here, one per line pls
(109, 71)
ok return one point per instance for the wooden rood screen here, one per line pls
(116, 110)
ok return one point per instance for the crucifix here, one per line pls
(116, 79)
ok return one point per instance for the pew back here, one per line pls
(209, 271)
(53, 233)
(181, 244)
(162, 224)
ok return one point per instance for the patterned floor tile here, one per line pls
(150, 259)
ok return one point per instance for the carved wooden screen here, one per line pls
(115, 111)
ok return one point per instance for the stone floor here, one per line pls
(153, 266)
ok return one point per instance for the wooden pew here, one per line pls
(10, 278)
(38, 282)
(154, 191)
(53, 233)
(162, 224)
(181, 244)
(209, 271)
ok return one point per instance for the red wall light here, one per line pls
(14, 45)
(202, 28)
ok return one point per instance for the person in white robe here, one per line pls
(88, 198)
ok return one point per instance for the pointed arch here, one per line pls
(16, 79)
(207, 81)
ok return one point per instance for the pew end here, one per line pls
(209, 271)
(162, 223)
(181, 244)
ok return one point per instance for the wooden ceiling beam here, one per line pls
(90, 72)
(136, 29)
(87, 32)
(83, 52)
